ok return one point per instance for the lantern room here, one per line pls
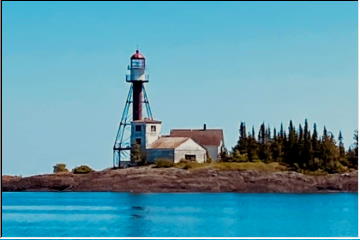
(137, 68)
(137, 60)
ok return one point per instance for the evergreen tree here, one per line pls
(274, 135)
(275, 147)
(264, 152)
(268, 135)
(290, 146)
(330, 155)
(242, 142)
(281, 142)
(261, 134)
(352, 153)
(301, 134)
(298, 148)
(252, 149)
(341, 146)
(308, 153)
(306, 130)
(299, 152)
(282, 134)
(325, 133)
(315, 144)
(356, 138)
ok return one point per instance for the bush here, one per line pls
(82, 169)
(163, 163)
(238, 157)
(60, 167)
(335, 167)
(138, 157)
(187, 164)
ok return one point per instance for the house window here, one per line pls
(191, 157)
(153, 128)
(138, 141)
(138, 128)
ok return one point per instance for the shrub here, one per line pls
(138, 157)
(238, 157)
(186, 164)
(82, 169)
(60, 167)
(224, 155)
(163, 163)
(335, 167)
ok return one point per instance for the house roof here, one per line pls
(203, 137)
(168, 142)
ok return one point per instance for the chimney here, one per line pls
(204, 126)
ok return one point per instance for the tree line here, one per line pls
(299, 148)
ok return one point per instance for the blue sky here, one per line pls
(64, 65)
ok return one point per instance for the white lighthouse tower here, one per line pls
(137, 97)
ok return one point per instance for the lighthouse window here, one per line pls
(153, 128)
(137, 63)
(138, 128)
(138, 141)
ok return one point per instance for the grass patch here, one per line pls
(163, 163)
(260, 166)
(185, 164)
(226, 166)
(318, 172)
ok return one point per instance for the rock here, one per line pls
(147, 179)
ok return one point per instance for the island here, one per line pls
(295, 162)
(147, 179)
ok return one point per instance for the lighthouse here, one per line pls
(138, 139)
(136, 98)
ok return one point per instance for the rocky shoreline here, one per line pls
(148, 179)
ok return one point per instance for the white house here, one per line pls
(211, 139)
(176, 149)
(146, 133)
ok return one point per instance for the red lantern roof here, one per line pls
(137, 55)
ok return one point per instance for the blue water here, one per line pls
(179, 214)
